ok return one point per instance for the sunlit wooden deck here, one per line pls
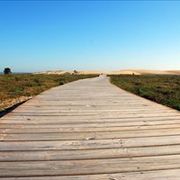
(90, 130)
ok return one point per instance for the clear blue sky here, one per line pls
(37, 36)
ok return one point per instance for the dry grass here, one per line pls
(15, 88)
(163, 89)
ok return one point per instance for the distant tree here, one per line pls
(75, 72)
(7, 70)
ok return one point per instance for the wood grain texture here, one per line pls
(90, 130)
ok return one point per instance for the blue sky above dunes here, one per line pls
(46, 35)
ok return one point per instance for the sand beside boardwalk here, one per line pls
(128, 71)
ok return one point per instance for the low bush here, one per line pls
(18, 85)
(164, 89)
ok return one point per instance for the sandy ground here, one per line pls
(128, 71)
(9, 103)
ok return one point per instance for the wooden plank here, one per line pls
(170, 174)
(59, 155)
(85, 128)
(95, 113)
(132, 125)
(88, 135)
(77, 117)
(90, 144)
(88, 167)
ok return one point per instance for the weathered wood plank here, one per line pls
(88, 135)
(86, 128)
(170, 174)
(88, 167)
(90, 144)
(55, 155)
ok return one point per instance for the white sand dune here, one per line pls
(128, 71)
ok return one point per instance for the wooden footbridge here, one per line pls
(90, 130)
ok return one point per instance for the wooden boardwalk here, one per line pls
(90, 130)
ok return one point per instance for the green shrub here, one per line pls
(164, 89)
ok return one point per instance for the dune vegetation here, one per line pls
(15, 88)
(163, 89)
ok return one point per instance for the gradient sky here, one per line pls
(104, 35)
